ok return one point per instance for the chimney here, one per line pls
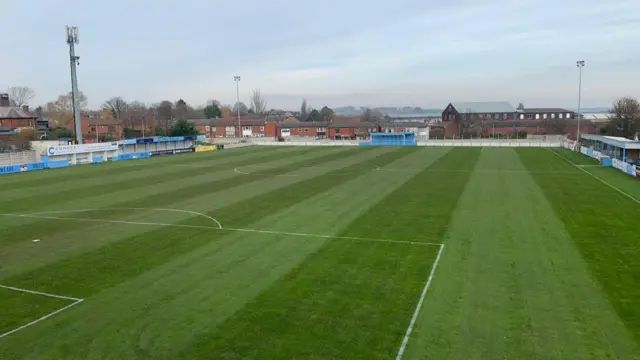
(4, 100)
(25, 108)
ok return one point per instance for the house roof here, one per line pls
(354, 124)
(532, 123)
(230, 121)
(302, 124)
(11, 112)
(483, 107)
(405, 125)
(545, 110)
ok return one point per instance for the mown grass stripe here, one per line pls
(163, 175)
(153, 170)
(603, 224)
(90, 272)
(349, 300)
(75, 173)
(42, 227)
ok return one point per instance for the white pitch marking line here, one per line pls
(332, 237)
(76, 301)
(496, 171)
(597, 178)
(414, 318)
(40, 293)
(128, 208)
(222, 229)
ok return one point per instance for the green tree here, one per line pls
(314, 115)
(183, 128)
(327, 114)
(212, 111)
(181, 109)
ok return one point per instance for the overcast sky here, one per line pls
(336, 52)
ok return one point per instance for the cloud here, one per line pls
(340, 51)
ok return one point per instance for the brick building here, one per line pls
(15, 117)
(491, 118)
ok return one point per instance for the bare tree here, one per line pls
(135, 115)
(61, 110)
(163, 113)
(20, 95)
(625, 117)
(257, 102)
(467, 124)
(117, 106)
(244, 110)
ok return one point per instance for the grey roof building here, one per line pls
(487, 107)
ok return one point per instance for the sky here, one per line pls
(333, 52)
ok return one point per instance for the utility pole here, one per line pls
(237, 80)
(580, 65)
(72, 40)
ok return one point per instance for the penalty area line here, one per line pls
(76, 301)
(414, 318)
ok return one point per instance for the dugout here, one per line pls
(159, 145)
(614, 147)
(391, 139)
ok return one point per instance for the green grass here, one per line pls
(540, 258)
(19, 308)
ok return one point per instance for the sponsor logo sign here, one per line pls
(83, 148)
(206, 148)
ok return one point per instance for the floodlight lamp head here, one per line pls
(236, 78)
(72, 35)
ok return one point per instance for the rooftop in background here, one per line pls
(12, 112)
(546, 110)
(483, 107)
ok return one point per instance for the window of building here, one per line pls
(306, 130)
(261, 128)
(496, 116)
(553, 116)
(537, 116)
(337, 130)
(299, 130)
(246, 128)
(544, 116)
(505, 116)
(529, 116)
(521, 116)
(568, 115)
(560, 116)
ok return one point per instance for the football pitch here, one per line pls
(323, 253)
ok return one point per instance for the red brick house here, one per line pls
(293, 127)
(15, 117)
(228, 127)
(351, 130)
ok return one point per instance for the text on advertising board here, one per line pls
(84, 148)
